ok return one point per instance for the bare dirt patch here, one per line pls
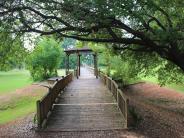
(31, 90)
(160, 110)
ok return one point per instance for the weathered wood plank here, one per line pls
(86, 104)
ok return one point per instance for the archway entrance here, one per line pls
(79, 52)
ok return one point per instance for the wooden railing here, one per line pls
(120, 97)
(90, 68)
(95, 71)
(45, 105)
(76, 73)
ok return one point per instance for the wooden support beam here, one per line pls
(67, 64)
(95, 65)
(39, 121)
(79, 64)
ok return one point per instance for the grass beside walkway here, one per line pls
(14, 79)
(17, 96)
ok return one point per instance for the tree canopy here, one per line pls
(151, 26)
(12, 52)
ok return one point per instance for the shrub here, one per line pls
(123, 70)
(44, 60)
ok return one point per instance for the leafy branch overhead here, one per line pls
(140, 26)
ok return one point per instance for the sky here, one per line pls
(29, 40)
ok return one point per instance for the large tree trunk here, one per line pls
(177, 58)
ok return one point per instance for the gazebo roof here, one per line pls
(78, 50)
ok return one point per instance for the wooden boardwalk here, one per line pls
(86, 104)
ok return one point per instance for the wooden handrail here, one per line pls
(95, 71)
(90, 68)
(45, 105)
(76, 73)
(122, 100)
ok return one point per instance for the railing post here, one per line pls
(77, 73)
(126, 112)
(38, 114)
(118, 97)
(95, 65)
(67, 64)
(121, 99)
(79, 63)
(111, 87)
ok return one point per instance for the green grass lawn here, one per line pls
(61, 72)
(16, 105)
(12, 80)
(17, 108)
(177, 87)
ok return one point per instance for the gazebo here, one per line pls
(78, 52)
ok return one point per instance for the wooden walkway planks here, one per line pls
(85, 105)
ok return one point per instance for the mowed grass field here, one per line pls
(17, 94)
(16, 108)
(61, 72)
(14, 79)
(177, 87)
(17, 98)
